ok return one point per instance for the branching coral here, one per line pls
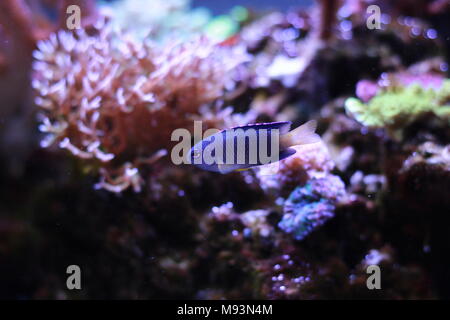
(310, 206)
(108, 98)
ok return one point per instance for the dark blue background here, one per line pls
(222, 6)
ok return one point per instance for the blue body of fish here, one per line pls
(247, 146)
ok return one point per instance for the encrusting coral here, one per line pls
(395, 107)
(310, 206)
(108, 98)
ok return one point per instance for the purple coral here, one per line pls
(366, 90)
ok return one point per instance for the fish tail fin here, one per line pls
(305, 134)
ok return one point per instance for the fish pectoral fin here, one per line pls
(286, 153)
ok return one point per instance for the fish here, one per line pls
(244, 147)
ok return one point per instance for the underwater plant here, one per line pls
(113, 100)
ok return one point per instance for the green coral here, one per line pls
(221, 27)
(396, 107)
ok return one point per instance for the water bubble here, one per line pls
(247, 232)
(385, 18)
(364, 131)
(299, 279)
(415, 32)
(345, 11)
(431, 33)
(347, 35)
(408, 21)
(346, 25)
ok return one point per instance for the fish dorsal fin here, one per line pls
(305, 134)
(283, 126)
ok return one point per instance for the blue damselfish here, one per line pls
(240, 148)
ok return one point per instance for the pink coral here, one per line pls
(366, 90)
(309, 161)
(115, 101)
